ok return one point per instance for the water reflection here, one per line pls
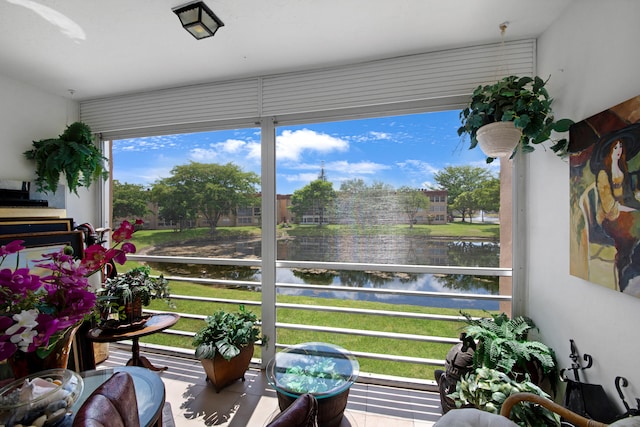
(372, 249)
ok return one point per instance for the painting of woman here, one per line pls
(605, 197)
(619, 209)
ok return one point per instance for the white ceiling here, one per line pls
(100, 48)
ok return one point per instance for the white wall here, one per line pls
(592, 56)
(28, 114)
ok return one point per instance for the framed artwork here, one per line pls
(605, 198)
(29, 257)
(34, 225)
(72, 238)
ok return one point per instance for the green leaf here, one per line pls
(562, 125)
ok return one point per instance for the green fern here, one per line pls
(503, 344)
(73, 154)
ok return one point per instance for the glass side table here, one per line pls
(325, 370)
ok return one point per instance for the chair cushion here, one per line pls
(301, 413)
(98, 411)
(113, 404)
(472, 417)
(627, 422)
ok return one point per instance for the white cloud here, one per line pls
(291, 144)
(380, 135)
(359, 168)
(145, 143)
(254, 150)
(230, 145)
(203, 155)
(418, 166)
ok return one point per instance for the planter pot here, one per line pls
(133, 310)
(498, 139)
(330, 409)
(222, 372)
(24, 364)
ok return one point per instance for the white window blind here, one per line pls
(425, 81)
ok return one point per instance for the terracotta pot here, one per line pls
(24, 364)
(498, 139)
(133, 310)
(222, 372)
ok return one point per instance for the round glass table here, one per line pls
(324, 370)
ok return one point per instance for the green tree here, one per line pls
(315, 198)
(174, 205)
(210, 189)
(411, 201)
(467, 204)
(488, 196)
(459, 179)
(129, 200)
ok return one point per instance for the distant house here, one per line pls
(437, 213)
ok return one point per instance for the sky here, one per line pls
(399, 151)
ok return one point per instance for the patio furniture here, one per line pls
(156, 323)
(112, 404)
(301, 413)
(324, 370)
(566, 414)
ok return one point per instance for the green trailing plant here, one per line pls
(521, 100)
(319, 377)
(503, 344)
(226, 333)
(122, 289)
(73, 154)
(487, 389)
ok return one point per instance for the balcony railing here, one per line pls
(392, 315)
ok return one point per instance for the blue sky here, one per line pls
(398, 150)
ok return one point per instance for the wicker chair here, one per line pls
(572, 417)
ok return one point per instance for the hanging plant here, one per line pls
(523, 101)
(73, 154)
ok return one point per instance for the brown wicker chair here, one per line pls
(572, 417)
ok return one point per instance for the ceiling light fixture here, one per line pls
(198, 19)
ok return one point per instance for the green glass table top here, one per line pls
(321, 369)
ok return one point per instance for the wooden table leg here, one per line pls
(137, 360)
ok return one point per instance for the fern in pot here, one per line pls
(503, 344)
(72, 154)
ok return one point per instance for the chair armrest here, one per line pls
(572, 417)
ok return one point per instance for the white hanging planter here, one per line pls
(498, 139)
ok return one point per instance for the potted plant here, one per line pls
(121, 299)
(503, 344)
(487, 389)
(224, 345)
(73, 154)
(519, 107)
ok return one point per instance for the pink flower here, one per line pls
(36, 310)
(11, 247)
(124, 232)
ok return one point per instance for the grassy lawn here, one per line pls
(147, 238)
(307, 317)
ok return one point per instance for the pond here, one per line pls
(383, 249)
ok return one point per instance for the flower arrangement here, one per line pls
(37, 309)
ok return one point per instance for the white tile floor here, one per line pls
(253, 402)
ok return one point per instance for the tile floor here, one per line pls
(253, 402)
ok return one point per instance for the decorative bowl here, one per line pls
(41, 399)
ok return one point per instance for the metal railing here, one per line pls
(476, 271)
